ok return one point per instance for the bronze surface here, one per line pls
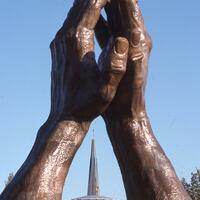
(81, 90)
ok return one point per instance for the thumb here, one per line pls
(112, 63)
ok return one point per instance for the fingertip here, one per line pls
(119, 56)
(121, 45)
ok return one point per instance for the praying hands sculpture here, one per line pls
(82, 90)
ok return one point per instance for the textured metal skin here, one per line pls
(81, 91)
(147, 172)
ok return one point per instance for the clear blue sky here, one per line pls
(173, 97)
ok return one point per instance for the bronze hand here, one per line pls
(125, 19)
(146, 170)
(87, 85)
(81, 90)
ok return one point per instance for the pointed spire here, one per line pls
(93, 182)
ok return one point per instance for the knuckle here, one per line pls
(136, 54)
(118, 62)
(118, 67)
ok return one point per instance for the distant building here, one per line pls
(93, 181)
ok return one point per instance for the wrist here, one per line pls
(142, 158)
(57, 156)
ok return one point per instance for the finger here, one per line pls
(91, 14)
(113, 63)
(75, 10)
(102, 32)
(110, 16)
(131, 13)
(71, 22)
(114, 17)
(83, 16)
(86, 25)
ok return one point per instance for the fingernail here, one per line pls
(136, 37)
(121, 45)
